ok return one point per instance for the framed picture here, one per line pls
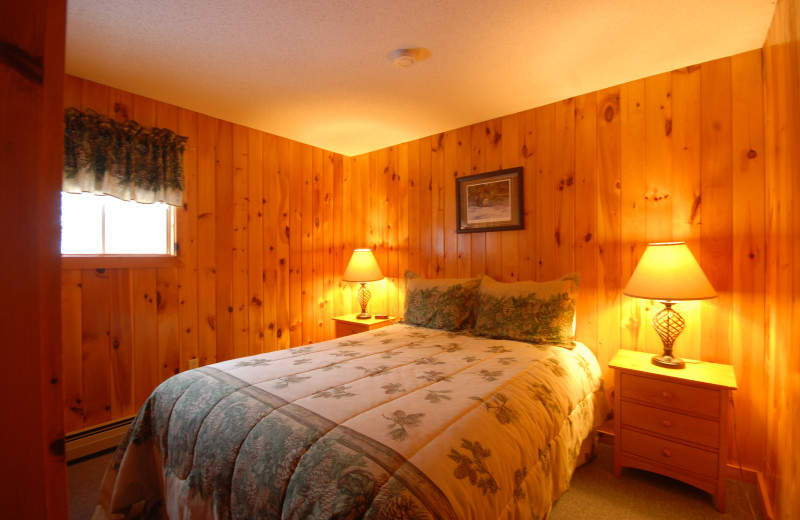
(490, 201)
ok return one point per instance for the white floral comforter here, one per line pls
(401, 422)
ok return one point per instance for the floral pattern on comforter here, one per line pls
(397, 423)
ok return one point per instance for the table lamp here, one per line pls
(362, 268)
(668, 273)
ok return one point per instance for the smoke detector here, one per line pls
(405, 57)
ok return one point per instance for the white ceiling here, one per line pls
(321, 71)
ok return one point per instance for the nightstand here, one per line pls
(349, 324)
(673, 421)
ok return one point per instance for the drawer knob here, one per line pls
(666, 395)
(665, 452)
(667, 423)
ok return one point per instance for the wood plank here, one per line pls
(527, 239)
(414, 212)
(31, 130)
(167, 303)
(658, 158)
(392, 233)
(295, 235)
(633, 200)
(206, 240)
(121, 338)
(686, 188)
(145, 334)
(239, 259)
(169, 336)
(187, 239)
(403, 187)
(255, 243)
(306, 258)
(95, 341)
(748, 251)
(609, 224)
(326, 229)
(564, 179)
(283, 323)
(493, 152)
(376, 225)
(437, 207)
(426, 257)
(318, 244)
(717, 207)
(271, 218)
(224, 210)
(71, 339)
(509, 262)
(340, 173)
(658, 177)
(478, 160)
(545, 189)
(463, 166)
(586, 218)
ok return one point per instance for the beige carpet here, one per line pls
(594, 494)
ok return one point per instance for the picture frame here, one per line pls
(490, 201)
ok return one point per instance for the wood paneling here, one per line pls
(781, 257)
(259, 260)
(31, 133)
(679, 156)
(669, 157)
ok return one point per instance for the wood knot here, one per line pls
(752, 154)
(608, 114)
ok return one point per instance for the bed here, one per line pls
(409, 421)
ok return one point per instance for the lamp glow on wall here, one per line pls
(362, 268)
(669, 273)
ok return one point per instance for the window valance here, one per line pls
(125, 160)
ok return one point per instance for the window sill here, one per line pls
(119, 261)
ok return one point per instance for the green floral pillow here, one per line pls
(446, 303)
(528, 311)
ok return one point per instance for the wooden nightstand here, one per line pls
(349, 324)
(673, 421)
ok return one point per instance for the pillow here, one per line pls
(528, 311)
(445, 303)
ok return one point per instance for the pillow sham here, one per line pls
(536, 312)
(445, 303)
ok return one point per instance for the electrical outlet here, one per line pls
(192, 363)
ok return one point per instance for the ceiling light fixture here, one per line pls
(405, 57)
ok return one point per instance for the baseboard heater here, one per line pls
(86, 442)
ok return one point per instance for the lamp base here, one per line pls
(363, 316)
(667, 361)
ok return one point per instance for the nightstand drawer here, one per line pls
(345, 329)
(674, 454)
(673, 424)
(678, 396)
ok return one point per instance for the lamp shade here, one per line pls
(362, 267)
(669, 272)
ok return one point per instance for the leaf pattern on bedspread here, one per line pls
(400, 421)
(391, 426)
(472, 465)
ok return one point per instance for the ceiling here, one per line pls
(323, 72)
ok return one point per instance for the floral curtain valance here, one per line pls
(103, 156)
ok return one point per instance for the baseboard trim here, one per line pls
(763, 496)
(95, 439)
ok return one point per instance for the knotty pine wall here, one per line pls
(677, 156)
(781, 466)
(31, 130)
(269, 225)
(262, 238)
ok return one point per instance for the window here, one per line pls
(104, 225)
